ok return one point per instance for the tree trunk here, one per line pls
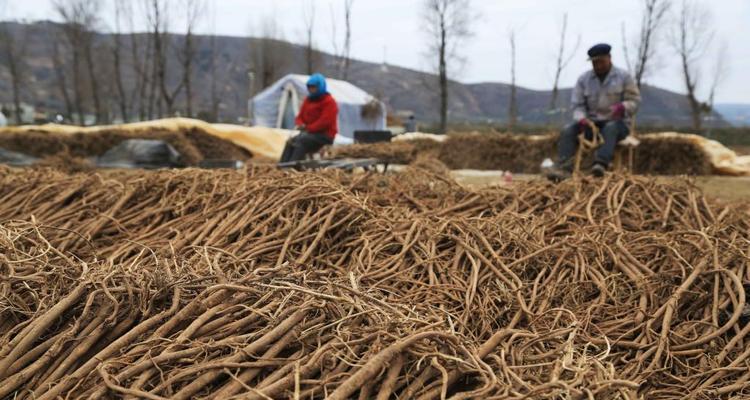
(13, 59)
(443, 72)
(62, 84)
(122, 95)
(187, 77)
(513, 110)
(89, 58)
(77, 90)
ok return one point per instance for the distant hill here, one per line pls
(401, 88)
(735, 114)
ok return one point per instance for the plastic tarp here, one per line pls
(3, 120)
(724, 160)
(16, 159)
(260, 141)
(276, 106)
(140, 153)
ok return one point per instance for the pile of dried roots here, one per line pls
(194, 145)
(267, 284)
(525, 154)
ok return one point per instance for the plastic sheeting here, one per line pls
(16, 159)
(140, 153)
(276, 105)
(260, 141)
(3, 120)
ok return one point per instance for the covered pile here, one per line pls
(272, 284)
(658, 154)
(194, 145)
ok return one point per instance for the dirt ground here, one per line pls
(741, 150)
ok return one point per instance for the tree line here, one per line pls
(684, 27)
(134, 75)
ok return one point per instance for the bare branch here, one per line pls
(15, 54)
(448, 25)
(308, 16)
(563, 60)
(348, 5)
(513, 105)
(80, 20)
(691, 38)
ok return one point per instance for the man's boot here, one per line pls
(598, 169)
(560, 172)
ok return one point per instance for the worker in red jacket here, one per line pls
(317, 121)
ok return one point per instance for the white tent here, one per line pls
(278, 105)
(3, 121)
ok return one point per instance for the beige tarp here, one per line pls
(260, 141)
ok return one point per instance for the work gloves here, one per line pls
(618, 112)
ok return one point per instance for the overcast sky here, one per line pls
(391, 31)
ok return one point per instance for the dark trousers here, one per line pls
(303, 144)
(612, 131)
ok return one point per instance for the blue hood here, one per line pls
(319, 81)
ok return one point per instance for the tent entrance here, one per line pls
(288, 107)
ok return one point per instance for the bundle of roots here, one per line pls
(525, 154)
(269, 284)
(194, 145)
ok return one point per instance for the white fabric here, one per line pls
(3, 121)
(269, 105)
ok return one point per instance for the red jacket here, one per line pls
(320, 116)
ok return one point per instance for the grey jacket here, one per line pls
(593, 99)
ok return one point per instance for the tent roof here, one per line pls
(344, 92)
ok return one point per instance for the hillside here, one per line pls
(400, 88)
(735, 114)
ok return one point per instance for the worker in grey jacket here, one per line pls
(607, 96)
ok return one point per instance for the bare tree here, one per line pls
(308, 16)
(194, 9)
(80, 18)
(139, 63)
(58, 65)
(214, 54)
(271, 56)
(719, 73)
(692, 36)
(157, 18)
(562, 62)
(117, 59)
(15, 53)
(652, 20)
(347, 50)
(447, 23)
(342, 53)
(513, 104)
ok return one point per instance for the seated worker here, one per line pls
(317, 121)
(607, 96)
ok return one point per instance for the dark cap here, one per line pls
(600, 50)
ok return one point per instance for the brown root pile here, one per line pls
(268, 284)
(194, 144)
(525, 154)
(401, 152)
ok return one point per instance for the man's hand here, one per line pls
(618, 112)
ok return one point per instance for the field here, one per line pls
(268, 284)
